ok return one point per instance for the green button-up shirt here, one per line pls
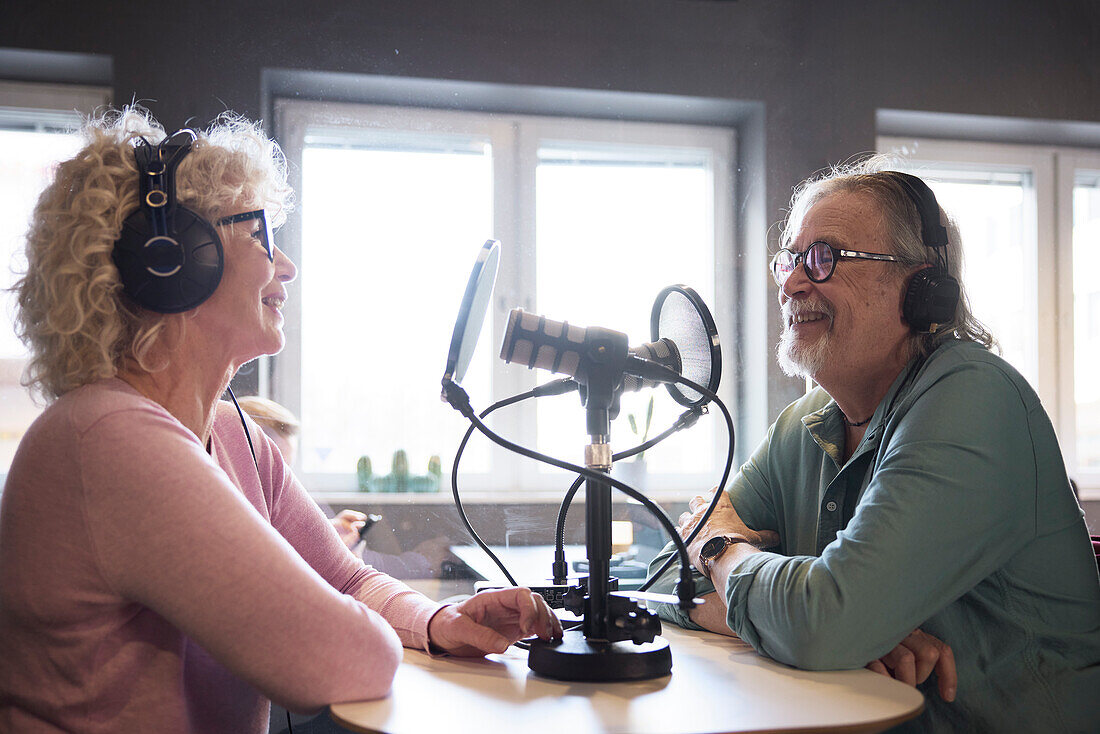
(954, 514)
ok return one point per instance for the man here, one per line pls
(918, 497)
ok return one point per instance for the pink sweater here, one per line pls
(147, 585)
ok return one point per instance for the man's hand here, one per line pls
(914, 659)
(723, 521)
(491, 621)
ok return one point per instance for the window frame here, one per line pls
(1069, 161)
(54, 106)
(515, 140)
(1049, 217)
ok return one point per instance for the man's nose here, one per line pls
(797, 283)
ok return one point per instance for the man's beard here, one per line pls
(800, 359)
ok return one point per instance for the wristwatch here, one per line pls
(713, 549)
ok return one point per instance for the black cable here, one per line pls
(244, 425)
(719, 490)
(559, 553)
(559, 558)
(559, 569)
(557, 387)
(460, 401)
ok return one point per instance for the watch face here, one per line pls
(712, 547)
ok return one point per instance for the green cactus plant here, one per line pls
(434, 479)
(363, 473)
(400, 463)
(400, 479)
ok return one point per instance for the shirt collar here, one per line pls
(826, 425)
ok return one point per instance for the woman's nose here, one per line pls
(285, 270)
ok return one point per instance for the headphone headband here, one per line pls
(157, 170)
(933, 233)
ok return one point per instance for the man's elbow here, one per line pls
(822, 648)
(822, 658)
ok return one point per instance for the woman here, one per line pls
(194, 578)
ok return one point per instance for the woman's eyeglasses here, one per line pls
(261, 230)
(819, 260)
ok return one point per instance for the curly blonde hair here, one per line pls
(71, 310)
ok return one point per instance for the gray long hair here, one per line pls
(902, 225)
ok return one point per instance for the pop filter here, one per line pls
(680, 315)
(471, 312)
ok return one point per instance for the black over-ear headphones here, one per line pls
(169, 258)
(933, 293)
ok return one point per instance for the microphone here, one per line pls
(558, 346)
(664, 352)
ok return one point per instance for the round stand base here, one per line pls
(576, 659)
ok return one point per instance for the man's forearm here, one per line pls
(711, 615)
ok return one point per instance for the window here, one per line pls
(1030, 223)
(36, 126)
(1083, 174)
(594, 217)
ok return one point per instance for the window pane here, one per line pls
(1086, 317)
(27, 160)
(990, 215)
(391, 227)
(615, 225)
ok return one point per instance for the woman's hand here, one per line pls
(914, 659)
(491, 621)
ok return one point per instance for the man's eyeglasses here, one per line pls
(261, 230)
(819, 259)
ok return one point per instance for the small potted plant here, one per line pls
(363, 473)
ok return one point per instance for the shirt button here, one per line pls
(830, 506)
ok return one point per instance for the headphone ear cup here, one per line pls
(931, 299)
(169, 273)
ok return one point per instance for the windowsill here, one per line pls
(521, 497)
(531, 497)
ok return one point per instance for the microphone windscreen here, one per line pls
(471, 311)
(681, 316)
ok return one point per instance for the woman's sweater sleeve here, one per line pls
(298, 519)
(172, 532)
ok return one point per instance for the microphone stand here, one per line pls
(559, 569)
(618, 639)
